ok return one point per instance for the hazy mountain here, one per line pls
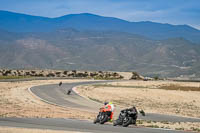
(99, 50)
(16, 22)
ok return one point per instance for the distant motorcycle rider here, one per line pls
(60, 83)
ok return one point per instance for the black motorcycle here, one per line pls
(103, 116)
(69, 92)
(126, 118)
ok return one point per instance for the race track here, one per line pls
(75, 125)
(54, 94)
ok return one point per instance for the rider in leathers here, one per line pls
(111, 107)
(131, 110)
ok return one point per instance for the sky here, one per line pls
(176, 12)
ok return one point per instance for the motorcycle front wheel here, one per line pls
(103, 118)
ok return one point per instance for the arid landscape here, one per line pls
(65, 65)
(17, 101)
(152, 96)
(163, 97)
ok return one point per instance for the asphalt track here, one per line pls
(54, 94)
(75, 125)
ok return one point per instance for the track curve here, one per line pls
(57, 95)
(54, 94)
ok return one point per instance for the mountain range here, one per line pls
(92, 42)
(16, 22)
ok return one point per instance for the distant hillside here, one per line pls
(16, 22)
(99, 50)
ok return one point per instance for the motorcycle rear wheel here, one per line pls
(127, 122)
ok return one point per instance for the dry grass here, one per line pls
(14, 77)
(179, 87)
(187, 126)
(146, 95)
(24, 130)
(164, 87)
(16, 101)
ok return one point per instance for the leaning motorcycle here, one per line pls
(126, 118)
(103, 116)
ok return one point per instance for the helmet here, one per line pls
(110, 103)
(105, 103)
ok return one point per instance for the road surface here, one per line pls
(75, 125)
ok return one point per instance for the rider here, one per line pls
(110, 107)
(132, 110)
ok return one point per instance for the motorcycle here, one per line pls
(60, 84)
(69, 92)
(126, 118)
(103, 116)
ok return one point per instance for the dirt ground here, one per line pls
(24, 130)
(16, 101)
(148, 96)
(126, 75)
(164, 97)
(187, 126)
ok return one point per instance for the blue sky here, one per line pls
(164, 11)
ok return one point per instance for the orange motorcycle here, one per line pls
(103, 116)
